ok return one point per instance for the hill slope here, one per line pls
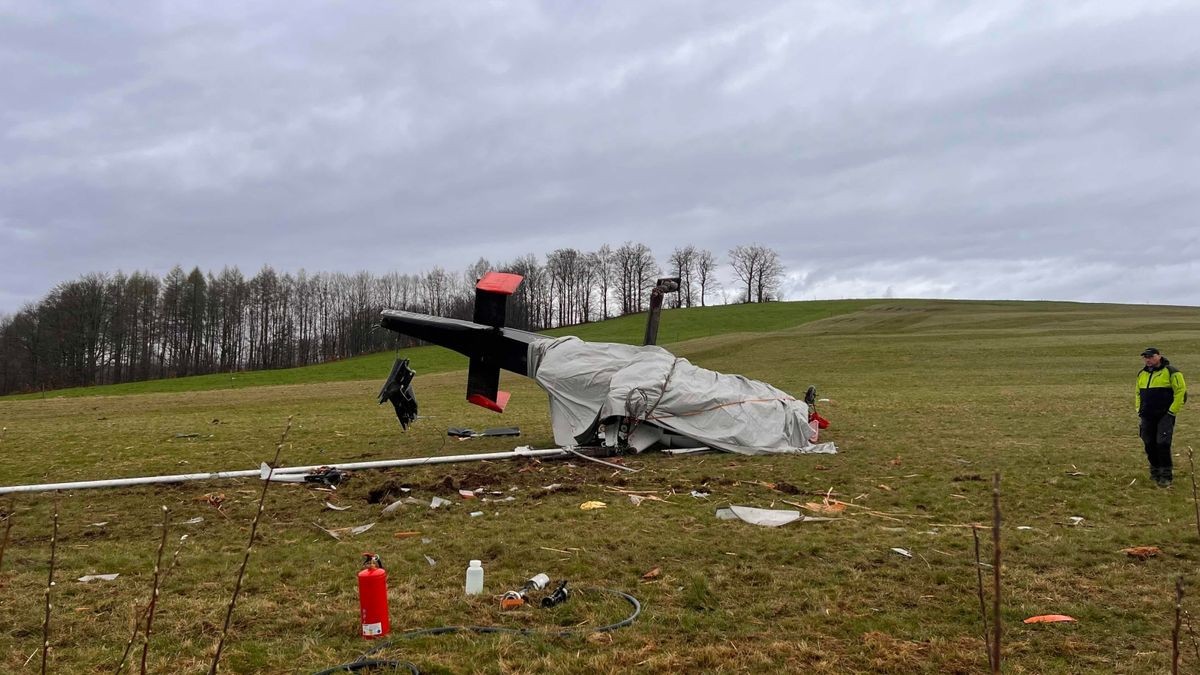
(929, 398)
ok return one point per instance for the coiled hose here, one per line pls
(365, 662)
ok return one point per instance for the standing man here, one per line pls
(1159, 395)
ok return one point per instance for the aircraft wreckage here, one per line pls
(606, 394)
(604, 397)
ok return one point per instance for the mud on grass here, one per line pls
(1038, 392)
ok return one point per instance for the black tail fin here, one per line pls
(483, 386)
(491, 297)
(491, 301)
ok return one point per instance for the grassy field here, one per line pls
(928, 399)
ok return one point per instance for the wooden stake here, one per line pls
(1195, 500)
(1175, 632)
(987, 635)
(8, 516)
(249, 546)
(162, 542)
(49, 585)
(996, 628)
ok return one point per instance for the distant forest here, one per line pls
(110, 328)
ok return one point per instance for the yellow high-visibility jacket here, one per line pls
(1159, 390)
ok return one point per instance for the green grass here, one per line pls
(929, 398)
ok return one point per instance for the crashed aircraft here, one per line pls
(607, 394)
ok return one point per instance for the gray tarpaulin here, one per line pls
(591, 382)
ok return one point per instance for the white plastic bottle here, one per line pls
(475, 578)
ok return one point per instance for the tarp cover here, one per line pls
(589, 382)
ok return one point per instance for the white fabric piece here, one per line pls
(590, 382)
(764, 517)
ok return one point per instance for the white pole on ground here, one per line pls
(257, 473)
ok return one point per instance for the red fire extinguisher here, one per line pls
(372, 598)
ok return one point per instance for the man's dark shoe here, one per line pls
(1163, 481)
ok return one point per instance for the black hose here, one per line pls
(364, 662)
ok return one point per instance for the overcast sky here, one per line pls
(1032, 150)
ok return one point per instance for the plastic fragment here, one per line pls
(902, 551)
(591, 506)
(1050, 618)
(98, 577)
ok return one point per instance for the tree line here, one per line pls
(111, 328)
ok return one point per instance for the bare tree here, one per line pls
(602, 262)
(768, 277)
(706, 274)
(683, 265)
(759, 269)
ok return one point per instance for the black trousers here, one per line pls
(1156, 433)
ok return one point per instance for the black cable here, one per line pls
(364, 662)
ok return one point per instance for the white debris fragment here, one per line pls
(98, 577)
(335, 507)
(902, 551)
(764, 517)
(438, 501)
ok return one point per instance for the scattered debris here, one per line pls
(591, 506)
(463, 434)
(431, 561)
(700, 495)
(902, 551)
(466, 494)
(438, 501)
(1141, 552)
(327, 476)
(194, 521)
(1075, 520)
(340, 532)
(99, 524)
(828, 505)
(652, 574)
(214, 499)
(1024, 527)
(764, 517)
(397, 390)
(98, 577)
(1049, 618)
(335, 507)
(476, 514)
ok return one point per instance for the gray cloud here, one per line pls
(1016, 150)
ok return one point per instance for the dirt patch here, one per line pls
(787, 488)
(388, 490)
